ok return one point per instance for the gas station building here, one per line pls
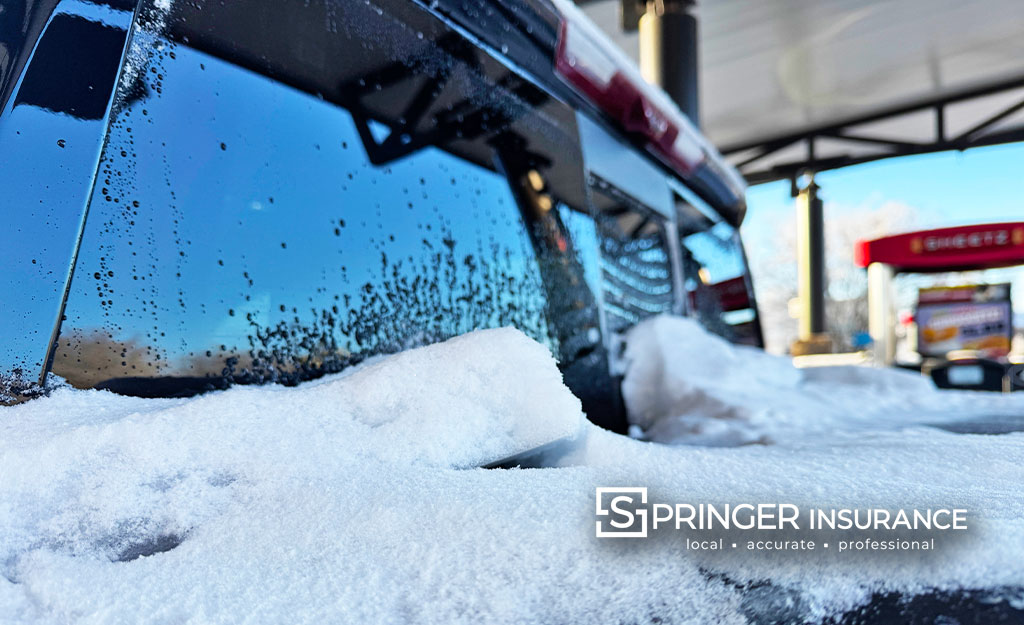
(975, 316)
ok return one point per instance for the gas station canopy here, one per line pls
(961, 248)
(793, 85)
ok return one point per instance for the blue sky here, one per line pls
(948, 188)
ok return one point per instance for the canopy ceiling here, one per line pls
(856, 79)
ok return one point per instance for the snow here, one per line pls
(357, 498)
(147, 41)
(685, 386)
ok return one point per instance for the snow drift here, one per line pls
(355, 499)
(685, 386)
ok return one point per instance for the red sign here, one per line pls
(962, 248)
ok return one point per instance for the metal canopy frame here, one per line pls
(813, 85)
(974, 136)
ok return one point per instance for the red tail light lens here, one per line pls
(612, 83)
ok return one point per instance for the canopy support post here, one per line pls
(668, 52)
(812, 338)
(881, 314)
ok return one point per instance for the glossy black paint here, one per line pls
(66, 83)
(21, 24)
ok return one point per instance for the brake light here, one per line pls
(593, 66)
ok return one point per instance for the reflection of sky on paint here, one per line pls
(981, 185)
(235, 174)
(95, 12)
(716, 251)
(41, 214)
(46, 163)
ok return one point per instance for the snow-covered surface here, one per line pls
(354, 499)
(685, 386)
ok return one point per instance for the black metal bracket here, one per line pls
(466, 119)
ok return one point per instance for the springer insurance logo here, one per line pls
(622, 512)
(625, 512)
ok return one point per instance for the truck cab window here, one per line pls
(716, 281)
(635, 258)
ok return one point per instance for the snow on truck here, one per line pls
(198, 194)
